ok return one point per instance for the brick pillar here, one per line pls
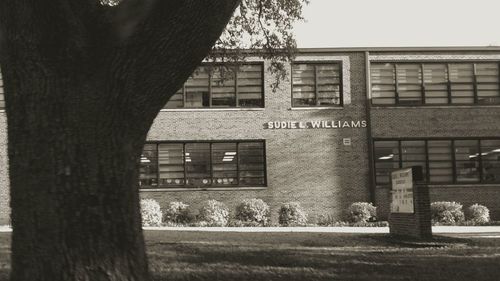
(418, 224)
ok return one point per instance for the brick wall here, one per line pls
(440, 121)
(310, 166)
(417, 224)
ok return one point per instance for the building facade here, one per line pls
(330, 134)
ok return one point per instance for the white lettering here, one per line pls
(315, 124)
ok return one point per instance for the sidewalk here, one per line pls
(314, 229)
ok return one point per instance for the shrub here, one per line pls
(446, 212)
(213, 213)
(177, 212)
(150, 212)
(362, 212)
(292, 214)
(478, 214)
(253, 211)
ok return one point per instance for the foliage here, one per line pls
(263, 25)
(151, 212)
(178, 213)
(213, 213)
(478, 214)
(292, 214)
(362, 212)
(445, 212)
(253, 210)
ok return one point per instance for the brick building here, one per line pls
(330, 134)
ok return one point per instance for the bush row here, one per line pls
(255, 212)
(250, 212)
(450, 213)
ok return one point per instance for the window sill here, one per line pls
(180, 189)
(448, 185)
(435, 106)
(317, 108)
(212, 109)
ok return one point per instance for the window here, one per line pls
(203, 164)
(435, 83)
(443, 161)
(490, 160)
(316, 84)
(216, 87)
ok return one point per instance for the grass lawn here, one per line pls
(185, 255)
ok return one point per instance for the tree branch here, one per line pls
(163, 50)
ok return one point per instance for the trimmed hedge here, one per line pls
(253, 212)
(445, 212)
(292, 214)
(213, 213)
(177, 213)
(477, 214)
(361, 212)
(150, 212)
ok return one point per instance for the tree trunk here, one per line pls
(83, 85)
(74, 195)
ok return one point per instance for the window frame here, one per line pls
(449, 83)
(453, 159)
(322, 62)
(184, 186)
(210, 82)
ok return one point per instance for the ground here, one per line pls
(188, 255)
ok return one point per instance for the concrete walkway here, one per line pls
(435, 229)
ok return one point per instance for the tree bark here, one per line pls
(82, 88)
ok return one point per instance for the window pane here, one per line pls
(413, 154)
(251, 164)
(490, 156)
(223, 87)
(303, 85)
(250, 93)
(386, 160)
(409, 78)
(383, 84)
(462, 78)
(487, 77)
(148, 166)
(440, 161)
(197, 164)
(224, 164)
(328, 79)
(436, 83)
(467, 160)
(197, 89)
(171, 161)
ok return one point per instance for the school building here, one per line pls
(330, 134)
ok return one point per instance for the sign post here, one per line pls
(410, 204)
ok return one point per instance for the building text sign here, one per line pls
(316, 124)
(402, 191)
